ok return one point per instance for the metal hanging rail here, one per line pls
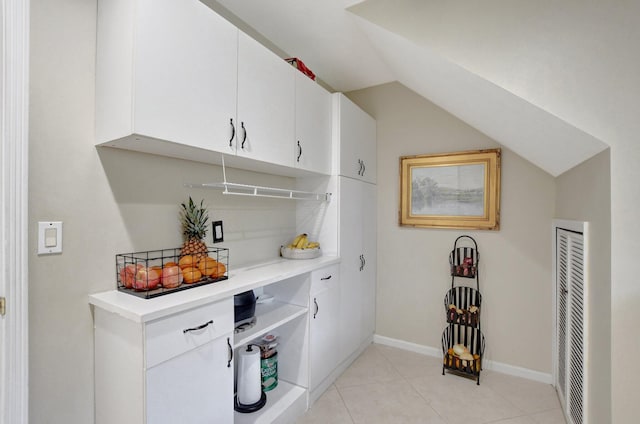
(261, 191)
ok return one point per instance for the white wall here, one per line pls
(111, 202)
(413, 276)
(584, 194)
(578, 61)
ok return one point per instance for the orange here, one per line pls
(191, 274)
(219, 270)
(207, 265)
(186, 261)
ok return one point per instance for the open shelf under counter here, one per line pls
(286, 398)
(268, 317)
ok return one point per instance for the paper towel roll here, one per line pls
(249, 378)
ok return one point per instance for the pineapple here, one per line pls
(194, 229)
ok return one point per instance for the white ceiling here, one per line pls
(409, 41)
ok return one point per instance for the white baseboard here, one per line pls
(503, 368)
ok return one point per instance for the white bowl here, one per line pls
(289, 253)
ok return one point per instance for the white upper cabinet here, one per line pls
(167, 70)
(266, 104)
(355, 137)
(313, 126)
(176, 79)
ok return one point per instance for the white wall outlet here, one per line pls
(49, 237)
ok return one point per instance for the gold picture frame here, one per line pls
(451, 190)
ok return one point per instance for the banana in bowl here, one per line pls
(301, 248)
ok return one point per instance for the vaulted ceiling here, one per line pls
(525, 73)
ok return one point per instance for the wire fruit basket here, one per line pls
(159, 272)
(471, 340)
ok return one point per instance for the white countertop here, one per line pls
(243, 279)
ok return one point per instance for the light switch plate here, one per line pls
(49, 237)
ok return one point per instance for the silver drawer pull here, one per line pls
(200, 327)
(326, 278)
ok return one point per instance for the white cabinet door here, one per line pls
(196, 387)
(313, 126)
(357, 141)
(323, 323)
(351, 265)
(266, 102)
(167, 69)
(369, 251)
(358, 265)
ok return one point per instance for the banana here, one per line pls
(313, 245)
(302, 243)
(296, 240)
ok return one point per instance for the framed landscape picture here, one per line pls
(451, 190)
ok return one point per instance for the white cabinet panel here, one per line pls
(176, 334)
(313, 125)
(266, 99)
(356, 155)
(369, 253)
(167, 70)
(358, 266)
(350, 252)
(196, 387)
(323, 324)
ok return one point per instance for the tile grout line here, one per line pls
(345, 404)
(426, 401)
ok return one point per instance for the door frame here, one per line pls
(14, 159)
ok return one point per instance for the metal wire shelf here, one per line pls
(260, 191)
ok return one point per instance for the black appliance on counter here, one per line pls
(244, 307)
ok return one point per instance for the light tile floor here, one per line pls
(391, 386)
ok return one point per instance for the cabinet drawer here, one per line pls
(179, 333)
(323, 278)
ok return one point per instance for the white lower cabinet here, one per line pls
(194, 388)
(178, 368)
(323, 324)
(178, 365)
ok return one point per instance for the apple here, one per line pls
(146, 279)
(128, 274)
(171, 276)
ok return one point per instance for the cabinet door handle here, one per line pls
(364, 168)
(364, 262)
(200, 327)
(299, 151)
(244, 136)
(233, 133)
(230, 353)
(361, 262)
(326, 278)
(360, 166)
(317, 308)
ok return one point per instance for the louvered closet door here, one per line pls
(570, 286)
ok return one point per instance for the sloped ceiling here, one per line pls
(484, 62)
